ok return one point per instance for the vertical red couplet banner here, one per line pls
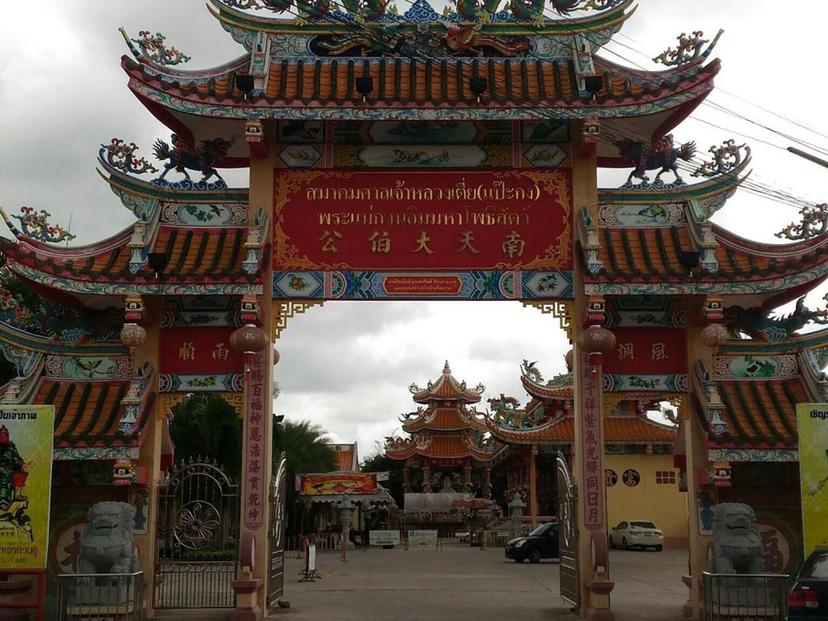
(592, 443)
(257, 408)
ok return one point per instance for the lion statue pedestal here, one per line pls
(737, 550)
(107, 549)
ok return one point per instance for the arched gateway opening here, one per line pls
(408, 157)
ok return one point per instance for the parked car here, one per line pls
(540, 543)
(636, 534)
(808, 597)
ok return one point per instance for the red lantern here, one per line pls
(276, 356)
(133, 335)
(597, 340)
(714, 335)
(248, 339)
(569, 357)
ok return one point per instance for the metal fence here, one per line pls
(98, 597)
(745, 597)
(191, 584)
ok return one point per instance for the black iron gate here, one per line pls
(197, 537)
(568, 534)
(278, 490)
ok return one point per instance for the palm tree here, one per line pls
(307, 450)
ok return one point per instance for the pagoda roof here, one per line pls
(437, 418)
(202, 234)
(748, 399)
(292, 79)
(559, 387)
(94, 419)
(460, 445)
(642, 239)
(618, 429)
(446, 388)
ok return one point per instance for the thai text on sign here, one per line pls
(812, 423)
(26, 437)
(592, 444)
(422, 220)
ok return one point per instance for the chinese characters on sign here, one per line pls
(592, 444)
(514, 219)
(257, 402)
(198, 350)
(653, 350)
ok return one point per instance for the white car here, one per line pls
(636, 534)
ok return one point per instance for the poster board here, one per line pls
(26, 438)
(384, 537)
(422, 537)
(812, 424)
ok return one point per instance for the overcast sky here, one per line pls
(347, 365)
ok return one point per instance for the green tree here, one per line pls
(206, 426)
(379, 462)
(306, 447)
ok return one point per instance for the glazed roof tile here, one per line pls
(758, 413)
(626, 429)
(442, 419)
(654, 254)
(442, 446)
(421, 83)
(447, 388)
(87, 414)
(193, 255)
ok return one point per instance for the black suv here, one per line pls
(540, 543)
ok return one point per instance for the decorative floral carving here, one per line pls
(814, 223)
(120, 156)
(689, 49)
(152, 46)
(725, 159)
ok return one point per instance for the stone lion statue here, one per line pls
(106, 544)
(737, 547)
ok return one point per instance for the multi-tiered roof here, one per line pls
(446, 428)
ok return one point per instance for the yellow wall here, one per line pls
(662, 504)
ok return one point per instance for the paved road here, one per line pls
(461, 583)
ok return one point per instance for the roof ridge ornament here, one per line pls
(35, 225)
(151, 47)
(121, 156)
(663, 155)
(531, 371)
(813, 223)
(726, 158)
(689, 49)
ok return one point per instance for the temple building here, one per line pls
(641, 480)
(447, 449)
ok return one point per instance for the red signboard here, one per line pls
(648, 351)
(422, 220)
(257, 409)
(324, 484)
(592, 444)
(198, 351)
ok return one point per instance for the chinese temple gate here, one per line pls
(410, 155)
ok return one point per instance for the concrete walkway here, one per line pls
(460, 583)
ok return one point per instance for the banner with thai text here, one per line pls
(812, 425)
(322, 484)
(422, 220)
(26, 437)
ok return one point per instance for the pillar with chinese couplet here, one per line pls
(593, 562)
(254, 558)
(533, 484)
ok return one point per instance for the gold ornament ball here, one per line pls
(714, 335)
(133, 335)
(597, 340)
(248, 339)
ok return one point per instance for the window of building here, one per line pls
(666, 477)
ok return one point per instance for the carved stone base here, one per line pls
(599, 614)
(247, 608)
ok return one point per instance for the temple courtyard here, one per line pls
(464, 583)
